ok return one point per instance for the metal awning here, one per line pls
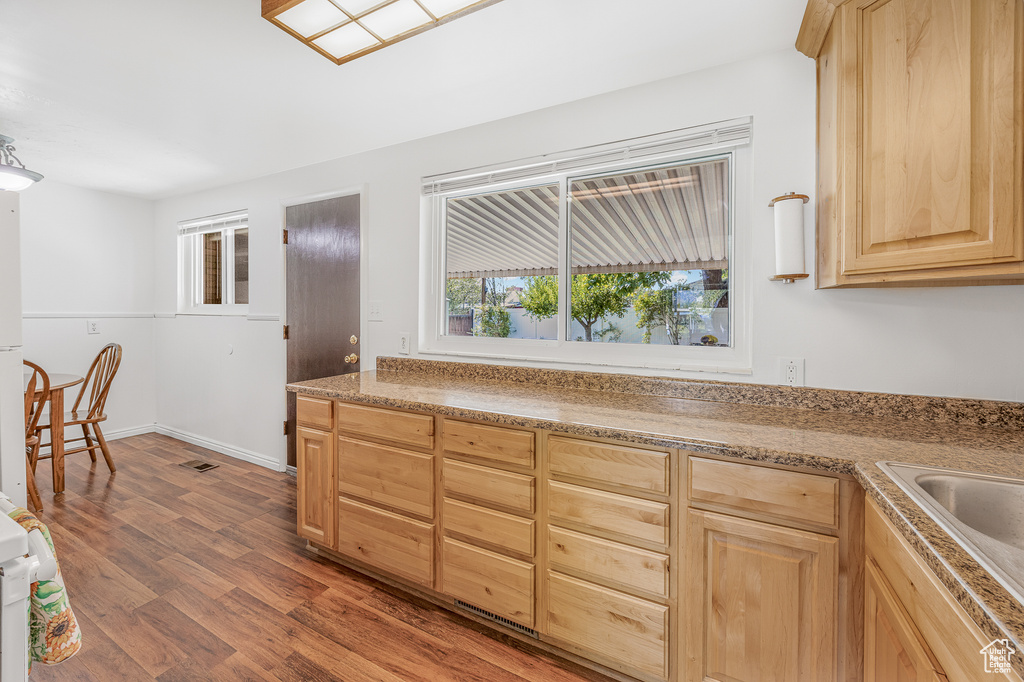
(674, 218)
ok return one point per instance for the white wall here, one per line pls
(941, 341)
(88, 255)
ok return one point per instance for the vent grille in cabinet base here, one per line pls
(497, 619)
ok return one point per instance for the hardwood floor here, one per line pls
(180, 575)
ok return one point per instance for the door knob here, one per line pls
(353, 339)
(352, 359)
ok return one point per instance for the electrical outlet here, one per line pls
(376, 312)
(92, 327)
(403, 343)
(791, 371)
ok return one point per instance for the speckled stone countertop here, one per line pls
(846, 442)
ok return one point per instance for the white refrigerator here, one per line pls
(16, 570)
(12, 383)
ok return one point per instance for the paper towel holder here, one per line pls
(795, 227)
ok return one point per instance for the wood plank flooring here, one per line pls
(180, 575)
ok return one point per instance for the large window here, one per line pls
(618, 256)
(213, 256)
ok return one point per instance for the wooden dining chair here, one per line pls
(37, 392)
(96, 386)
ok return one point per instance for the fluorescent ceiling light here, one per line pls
(311, 17)
(343, 30)
(355, 7)
(395, 19)
(440, 8)
(346, 40)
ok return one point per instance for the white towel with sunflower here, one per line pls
(54, 635)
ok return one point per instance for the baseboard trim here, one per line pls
(291, 471)
(217, 446)
(128, 433)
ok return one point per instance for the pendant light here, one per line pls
(14, 178)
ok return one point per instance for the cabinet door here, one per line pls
(761, 602)
(894, 650)
(931, 93)
(314, 462)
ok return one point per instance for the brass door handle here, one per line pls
(352, 359)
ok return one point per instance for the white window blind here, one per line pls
(697, 140)
(235, 220)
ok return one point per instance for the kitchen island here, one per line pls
(606, 516)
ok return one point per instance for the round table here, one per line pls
(58, 382)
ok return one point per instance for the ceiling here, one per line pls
(154, 98)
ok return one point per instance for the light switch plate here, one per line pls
(376, 311)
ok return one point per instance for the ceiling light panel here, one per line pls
(355, 7)
(348, 39)
(311, 17)
(343, 30)
(440, 8)
(395, 19)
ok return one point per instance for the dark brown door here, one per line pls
(323, 293)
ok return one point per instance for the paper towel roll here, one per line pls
(789, 235)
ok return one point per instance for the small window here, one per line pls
(629, 248)
(213, 258)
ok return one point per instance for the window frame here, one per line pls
(736, 358)
(190, 263)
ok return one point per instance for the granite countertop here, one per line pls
(834, 441)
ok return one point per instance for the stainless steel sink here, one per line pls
(984, 513)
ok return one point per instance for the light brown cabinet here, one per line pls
(915, 630)
(894, 651)
(488, 519)
(314, 464)
(761, 601)
(920, 140)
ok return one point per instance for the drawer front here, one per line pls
(486, 525)
(620, 514)
(787, 495)
(386, 541)
(596, 558)
(643, 470)
(492, 486)
(489, 581)
(393, 425)
(389, 476)
(630, 631)
(317, 413)
(509, 446)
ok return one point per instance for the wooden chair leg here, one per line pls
(33, 489)
(104, 448)
(88, 442)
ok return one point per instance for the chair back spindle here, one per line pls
(36, 394)
(98, 380)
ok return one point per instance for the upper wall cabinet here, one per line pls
(920, 140)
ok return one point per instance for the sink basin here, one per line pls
(984, 513)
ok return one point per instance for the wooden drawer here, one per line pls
(591, 558)
(491, 486)
(386, 541)
(627, 630)
(317, 413)
(388, 476)
(499, 444)
(626, 516)
(644, 470)
(386, 424)
(786, 495)
(492, 527)
(489, 581)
